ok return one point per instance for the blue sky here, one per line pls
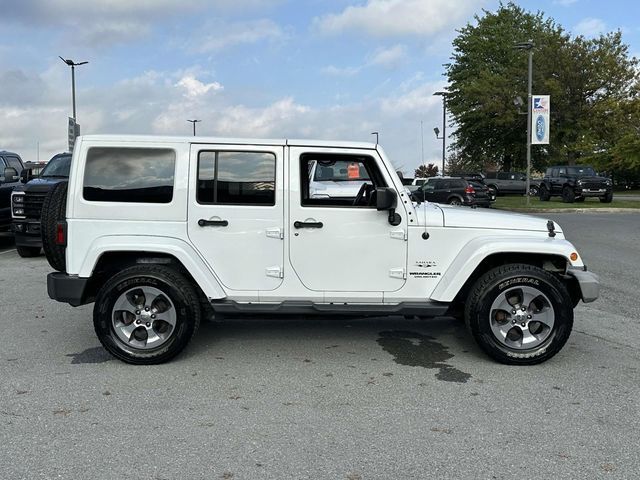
(330, 69)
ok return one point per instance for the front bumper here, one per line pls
(588, 282)
(68, 289)
(27, 233)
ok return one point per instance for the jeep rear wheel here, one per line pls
(146, 314)
(568, 195)
(53, 211)
(519, 314)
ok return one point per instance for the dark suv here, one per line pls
(503, 183)
(27, 200)
(10, 168)
(453, 191)
(575, 183)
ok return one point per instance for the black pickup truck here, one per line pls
(10, 168)
(27, 202)
(574, 183)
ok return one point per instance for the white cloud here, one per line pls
(381, 18)
(565, 3)
(389, 57)
(195, 88)
(218, 36)
(590, 27)
(341, 71)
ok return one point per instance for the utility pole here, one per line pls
(73, 66)
(529, 47)
(194, 125)
(443, 94)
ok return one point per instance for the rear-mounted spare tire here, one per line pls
(54, 211)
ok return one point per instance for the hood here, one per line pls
(335, 189)
(591, 179)
(464, 217)
(40, 184)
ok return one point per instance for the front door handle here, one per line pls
(298, 224)
(212, 223)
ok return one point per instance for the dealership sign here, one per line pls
(540, 109)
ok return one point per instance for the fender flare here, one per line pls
(476, 250)
(175, 247)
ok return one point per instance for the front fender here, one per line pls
(476, 250)
(175, 247)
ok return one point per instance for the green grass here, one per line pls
(516, 202)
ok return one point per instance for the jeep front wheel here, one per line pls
(146, 314)
(519, 314)
(607, 198)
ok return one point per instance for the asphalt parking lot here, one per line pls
(321, 398)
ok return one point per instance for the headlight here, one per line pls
(579, 182)
(18, 211)
(18, 199)
(609, 182)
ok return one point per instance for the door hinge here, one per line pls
(275, 233)
(398, 273)
(275, 272)
(399, 235)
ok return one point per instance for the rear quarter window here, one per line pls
(129, 175)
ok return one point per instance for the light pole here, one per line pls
(73, 66)
(194, 125)
(443, 94)
(529, 47)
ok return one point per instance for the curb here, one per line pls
(572, 210)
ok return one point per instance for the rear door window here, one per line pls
(130, 175)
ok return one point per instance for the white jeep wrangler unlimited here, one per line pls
(159, 232)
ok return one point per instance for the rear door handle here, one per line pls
(298, 224)
(212, 223)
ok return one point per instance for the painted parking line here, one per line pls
(7, 251)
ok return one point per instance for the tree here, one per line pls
(426, 171)
(586, 79)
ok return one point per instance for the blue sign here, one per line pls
(540, 128)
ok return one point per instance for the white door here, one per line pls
(236, 213)
(338, 242)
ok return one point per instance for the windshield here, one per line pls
(58, 166)
(581, 171)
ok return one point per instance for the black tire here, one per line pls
(580, 199)
(533, 190)
(174, 286)
(507, 278)
(568, 195)
(27, 252)
(544, 193)
(54, 210)
(494, 190)
(608, 198)
(455, 201)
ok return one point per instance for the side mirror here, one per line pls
(387, 199)
(10, 175)
(26, 175)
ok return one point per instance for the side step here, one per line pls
(293, 307)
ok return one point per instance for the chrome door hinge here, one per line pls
(275, 233)
(399, 235)
(275, 272)
(398, 273)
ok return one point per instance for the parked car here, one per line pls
(11, 167)
(26, 202)
(504, 183)
(231, 226)
(453, 191)
(574, 183)
(478, 178)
